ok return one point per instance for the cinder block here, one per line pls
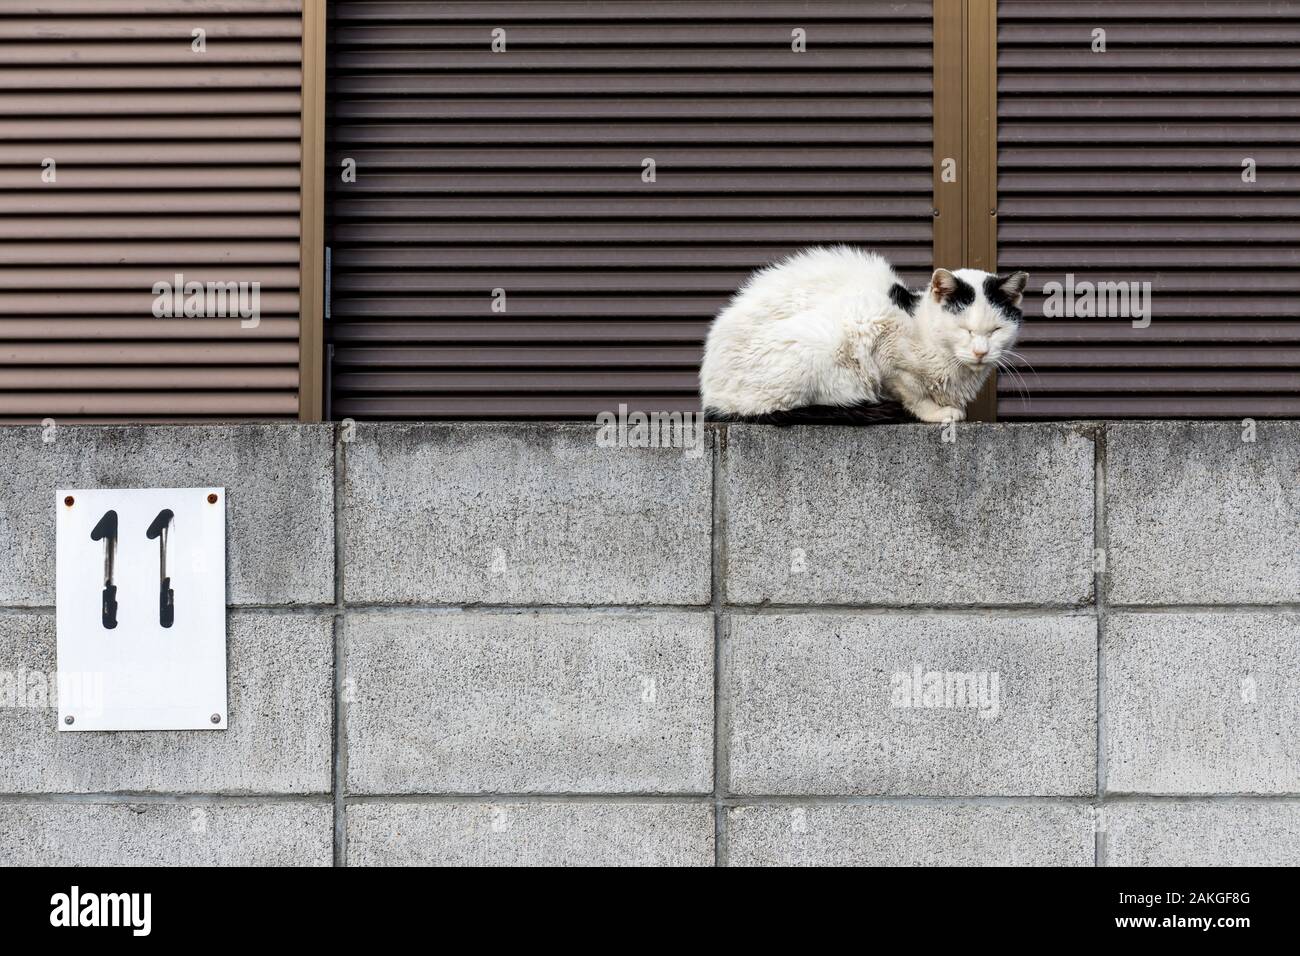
(930, 705)
(279, 482)
(893, 515)
(553, 702)
(278, 738)
(1196, 515)
(1202, 703)
(522, 514)
(166, 834)
(911, 834)
(1201, 833)
(530, 834)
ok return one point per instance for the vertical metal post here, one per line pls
(982, 162)
(311, 333)
(965, 143)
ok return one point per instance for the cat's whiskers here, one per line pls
(1020, 360)
(1017, 380)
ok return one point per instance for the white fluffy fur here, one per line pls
(820, 329)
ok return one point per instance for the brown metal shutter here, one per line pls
(1127, 165)
(522, 171)
(167, 161)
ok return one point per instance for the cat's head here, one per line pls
(973, 315)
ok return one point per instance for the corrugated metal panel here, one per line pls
(522, 171)
(1127, 166)
(168, 161)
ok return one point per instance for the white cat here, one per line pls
(835, 327)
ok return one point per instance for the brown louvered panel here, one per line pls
(1127, 166)
(522, 171)
(169, 162)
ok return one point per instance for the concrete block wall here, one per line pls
(506, 644)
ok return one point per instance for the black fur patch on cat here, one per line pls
(1000, 300)
(904, 298)
(961, 297)
(866, 413)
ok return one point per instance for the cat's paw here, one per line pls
(941, 413)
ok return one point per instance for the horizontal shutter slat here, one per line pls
(1164, 330)
(106, 154)
(1010, 11)
(670, 255)
(492, 403)
(77, 329)
(133, 103)
(226, 228)
(136, 278)
(112, 303)
(1180, 382)
(94, 129)
(626, 328)
(606, 382)
(542, 356)
(881, 209)
(621, 108)
(209, 201)
(1158, 356)
(727, 34)
(1241, 33)
(428, 72)
(72, 177)
(193, 251)
(104, 26)
(461, 183)
(611, 84)
(1127, 405)
(174, 50)
(152, 378)
(69, 77)
(189, 8)
(237, 404)
(684, 130)
(541, 157)
(150, 353)
(549, 11)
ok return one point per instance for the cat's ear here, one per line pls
(1013, 286)
(943, 285)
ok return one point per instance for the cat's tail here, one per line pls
(867, 413)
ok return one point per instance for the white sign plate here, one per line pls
(142, 644)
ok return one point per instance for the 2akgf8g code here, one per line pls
(1191, 898)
